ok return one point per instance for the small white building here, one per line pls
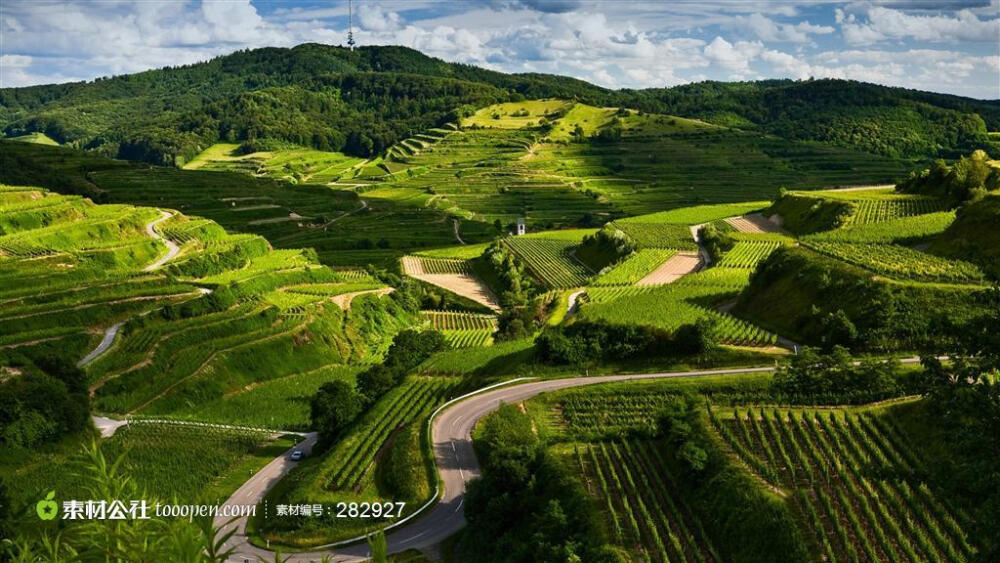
(520, 225)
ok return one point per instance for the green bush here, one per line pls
(403, 472)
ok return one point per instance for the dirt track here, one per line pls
(753, 223)
(463, 284)
(677, 266)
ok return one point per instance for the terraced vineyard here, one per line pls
(901, 262)
(671, 306)
(635, 267)
(641, 502)
(875, 211)
(463, 330)
(183, 335)
(855, 483)
(349, 472)
(746, 254)
(658, 235)
(900, 230)
(356, 452)
(550, 260)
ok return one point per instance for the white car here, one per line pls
(296, 455)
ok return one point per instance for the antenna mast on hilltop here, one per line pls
(350, 24)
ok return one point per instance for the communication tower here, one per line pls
(350, 24)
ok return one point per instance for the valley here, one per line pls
(562, 323)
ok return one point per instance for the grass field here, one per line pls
(692, 298)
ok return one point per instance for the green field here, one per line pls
(634, 267)
(550, 260)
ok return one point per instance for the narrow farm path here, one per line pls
(344, 299)
(573, 305)
(454, 223)
(172, 248)
(109, 426)
(451, 435)
(362, 207)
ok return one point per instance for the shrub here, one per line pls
(333, 408)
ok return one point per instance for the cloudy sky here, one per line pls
(940, 45)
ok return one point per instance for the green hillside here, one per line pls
(187, 326)
(364, 101)
(974, 236)
(820, 300)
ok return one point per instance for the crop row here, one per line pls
(444, 266)
(635, 267)
(748, 254)
(852, 481)
(550, 261)
(901, 262)
(670, 307)
(903, 229)
(468, 338)
(356, 452)
(876, 210)
(641, 501)
(452, 320)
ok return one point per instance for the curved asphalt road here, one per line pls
(456, 464)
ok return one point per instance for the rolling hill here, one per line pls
(364, 101)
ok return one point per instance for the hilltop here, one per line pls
(364, 101)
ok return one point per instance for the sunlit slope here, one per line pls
(165, 311)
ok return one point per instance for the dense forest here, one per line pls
(363, 101)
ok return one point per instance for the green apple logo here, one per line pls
(47, 509)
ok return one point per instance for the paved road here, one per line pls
(172, 248)
(456, 464)
(109, 337)
(107, 426)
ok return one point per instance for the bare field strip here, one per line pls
(344, 299)
(676, 267)
(465, 284)
(753, 223)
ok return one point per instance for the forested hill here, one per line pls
(879, 119)
(363, 101)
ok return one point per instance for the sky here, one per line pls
(950, 46)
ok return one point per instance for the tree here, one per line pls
(335, 405)
(964, 396)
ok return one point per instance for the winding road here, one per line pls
(456, 465)
(172, 248)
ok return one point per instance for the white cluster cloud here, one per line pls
(617, 44)
(767, 29)
(882, 24)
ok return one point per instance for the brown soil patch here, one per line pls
(462, 284)
(753, 223)
(676, 267)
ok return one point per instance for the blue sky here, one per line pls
(939, 45)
